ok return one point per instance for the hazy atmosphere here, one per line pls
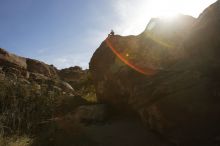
(109, 73)
(67, 32)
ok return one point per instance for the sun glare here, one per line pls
(135, 14)
(165, 14)
(170, 8)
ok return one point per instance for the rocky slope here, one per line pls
(36, 99)
(30, 71)
(168, 75)
(43, 106)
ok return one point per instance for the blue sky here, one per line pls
(67, 32)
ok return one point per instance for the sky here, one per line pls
(67, 32)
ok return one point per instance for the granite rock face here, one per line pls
(121, 61)
(168, 75)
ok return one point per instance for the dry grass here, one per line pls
(25, 110)
(22, 108)
(15, 141)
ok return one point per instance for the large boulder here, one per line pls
(41, 68)
(71, 74)
(23, 65)
(169, 75)
(121, 64)
(8, 59)
(29, 71)
(75, 76)
(80, 80)
(12, 64)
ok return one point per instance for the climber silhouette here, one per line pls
(112, 33)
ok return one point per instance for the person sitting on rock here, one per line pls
(112, 33)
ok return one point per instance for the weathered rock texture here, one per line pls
(169, 75)
(74, 75)
(42, 68)
(33, 72)
(34, 96)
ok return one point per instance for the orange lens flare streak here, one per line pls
(146, 71)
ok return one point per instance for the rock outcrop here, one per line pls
(74, 75)
(169, 75)
(35, 73)
(8, 59)
(34, 97)
(80, 80)
(68, 81)
(41, 68)
(120, 61)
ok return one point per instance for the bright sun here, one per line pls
(170, 8)
(135, 14)
(163, 9)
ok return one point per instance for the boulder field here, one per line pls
(14, 68)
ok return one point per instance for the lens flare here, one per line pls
(145, 71)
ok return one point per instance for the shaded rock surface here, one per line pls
(74, 76)
(168, 75)
(80, 80)
(88, 126)
(124, 131)
(91, 113)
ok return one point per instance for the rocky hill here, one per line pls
(168, 75)
(30, 71)
(43, 106)
(36, 99)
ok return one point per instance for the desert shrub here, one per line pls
(15, 141)
(89, 93)
(22, 107)
(86, 88)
